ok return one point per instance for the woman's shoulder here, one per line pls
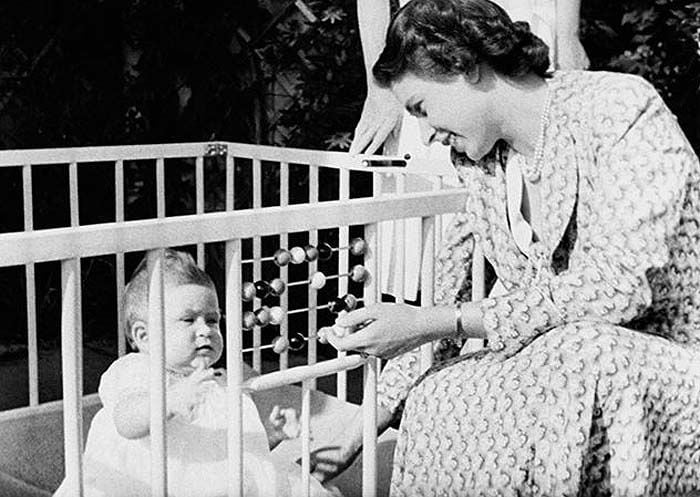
(603, 88)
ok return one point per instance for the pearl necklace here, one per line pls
(533, 169)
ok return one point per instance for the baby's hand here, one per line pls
(285, 422)
(184, 395)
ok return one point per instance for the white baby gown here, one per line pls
(197, 458)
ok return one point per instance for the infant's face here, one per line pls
(192, 326)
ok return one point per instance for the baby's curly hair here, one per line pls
(440, 39)
(179, 268)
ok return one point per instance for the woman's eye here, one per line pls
(187, 320)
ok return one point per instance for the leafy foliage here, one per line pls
(657, 39)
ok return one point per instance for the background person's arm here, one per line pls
(570, 51)
(381, 113)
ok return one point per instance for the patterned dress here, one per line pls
(590, 381)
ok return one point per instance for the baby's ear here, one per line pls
(139, 335)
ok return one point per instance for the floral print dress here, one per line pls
(590, 380)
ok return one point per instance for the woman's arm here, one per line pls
(381, 113)
(629, 201)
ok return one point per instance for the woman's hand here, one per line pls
(570, 53)
(381, 114)
(387, 330)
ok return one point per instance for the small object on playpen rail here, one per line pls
(248, 291)
(387, 161)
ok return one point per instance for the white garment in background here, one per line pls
(431, 162)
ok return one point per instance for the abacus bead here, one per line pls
(279, 344)
(282, 257)
(350, 302)
(262, 316)
(276, 315)
(358, 246)
(336, 305)
(248, 320)
(298, 255)
(311, 253)
(262, 289)
(359, 273)
(318, 280)
(325, 251)
(277, 287)
(248, 291)
(297, 342)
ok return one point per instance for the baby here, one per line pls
(117, 459)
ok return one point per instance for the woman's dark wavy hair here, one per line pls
(439, 39)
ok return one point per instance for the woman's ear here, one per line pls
(139, 335)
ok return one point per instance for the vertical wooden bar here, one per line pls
(230, 182)
(119, 218)
(234, 366)
(371, 370)
(73, 186)
(306, 387)
(427, 281)
(399, 246)
(160, 187)
(71, 364)
(343, 263)
(284, 270)
(199, 196)
(29, 277)
(156, 344)
(257, 267)
(312, 297)
(74, 222)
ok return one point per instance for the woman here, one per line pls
(584, 197)
(383, 121)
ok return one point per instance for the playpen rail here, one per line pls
(108, 238)
(71, 244)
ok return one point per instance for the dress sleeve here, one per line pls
(127, 375)
(453, 282)
(629, 203)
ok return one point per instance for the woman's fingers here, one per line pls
(357, 317)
